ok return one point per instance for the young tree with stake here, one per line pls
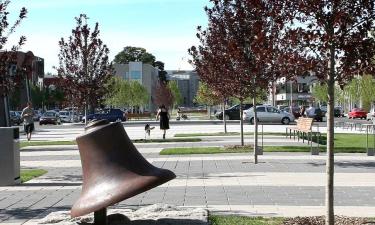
(84, 64)
(335, 35)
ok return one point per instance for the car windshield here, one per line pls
(64, 113)
(51, 114)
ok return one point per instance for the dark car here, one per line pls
(111, 115)
(233, 113)
(338, 111)
(316, 113)
(15, 118)
(295, 109)
(50, 117)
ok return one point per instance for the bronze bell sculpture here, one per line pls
(113, 169)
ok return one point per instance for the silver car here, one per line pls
(267, 113)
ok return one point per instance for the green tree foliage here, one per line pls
(361, 89)
(125, 93)
(15, 98)
(132, 54)
(205, 96)
(320, 92)
(367, 84)
(37, 95)
(138, 94)
(177, 97)
(118, 93)
(162, 72)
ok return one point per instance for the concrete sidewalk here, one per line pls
(282, 184)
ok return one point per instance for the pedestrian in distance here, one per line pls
(164, 119)
(28, 120)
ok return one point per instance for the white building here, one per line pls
(297, 92)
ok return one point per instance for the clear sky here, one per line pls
(165, 28)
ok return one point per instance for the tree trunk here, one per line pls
(224, 119)
(330, 219)
(241, 123)
(255, 131)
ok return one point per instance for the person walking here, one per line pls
(28, 121)
(164, 119)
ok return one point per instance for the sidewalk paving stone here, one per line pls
(280, 185)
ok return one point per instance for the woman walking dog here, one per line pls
(164, 119)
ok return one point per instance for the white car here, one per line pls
(68, 116)
(371, 115)
(267, 113)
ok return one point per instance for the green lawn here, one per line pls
(186, 151)
(167, 140)
(27, 175)
(344, 143)
(224, 134)
(43, 143)
(243, 220)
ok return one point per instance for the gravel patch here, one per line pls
(320, 220)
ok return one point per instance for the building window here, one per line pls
(135, 75)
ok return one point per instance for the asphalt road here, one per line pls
(132, 123)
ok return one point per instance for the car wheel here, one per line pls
(285, 121)
(227, 117)
(252, 120)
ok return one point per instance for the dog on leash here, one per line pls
(148, 129)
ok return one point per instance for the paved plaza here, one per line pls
(282, 184)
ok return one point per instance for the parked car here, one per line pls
(357, 113)
(111, 115)
(371, 114)
(233, 113)
(68, 116)
(15, 118)
(296, 111)
(267, 113)
(316, 113)
(37, 115)
(50, 117)
(338, 112)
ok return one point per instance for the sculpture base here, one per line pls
(158, 214)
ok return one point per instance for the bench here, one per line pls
(138, 115)
(304, 127)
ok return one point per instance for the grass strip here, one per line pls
(247, 148)
(187, 151)
(243, 220)
(27, 175)
(225, 134)
(44, 143)
(167, 140)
